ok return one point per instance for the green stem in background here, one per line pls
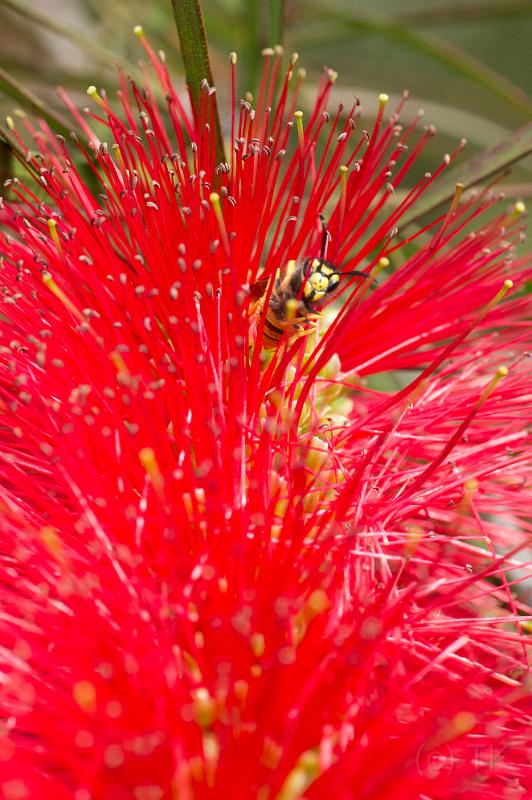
(6, 162)
(255, 42)
(484, 165)
(8, 141)
(277, 20)
(12, 88)
(264, 26)
(194, 49)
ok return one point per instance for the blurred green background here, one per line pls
(468, 64)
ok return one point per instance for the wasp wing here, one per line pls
(258, 289)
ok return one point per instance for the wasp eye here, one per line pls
(334, 281)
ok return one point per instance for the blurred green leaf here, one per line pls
(467, 11)
(489, 162)
(451, 56)
(50, 22)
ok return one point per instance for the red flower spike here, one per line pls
(226, 574)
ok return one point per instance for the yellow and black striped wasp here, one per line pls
(294, 299)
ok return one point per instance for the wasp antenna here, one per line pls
(374, 282)
(356, 272)
(324, 237)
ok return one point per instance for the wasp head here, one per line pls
(321, 277)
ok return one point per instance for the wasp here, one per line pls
(294, 299)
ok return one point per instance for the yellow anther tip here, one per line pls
(344, 169)
(267, 51)
(463, 721)
(318, 601)
(298, 114)
(138, 30)
(384, 262)
(47, 278)
(52, 223)
(508, 284)
(233, 58)
(502, 372)
(383, 98)
(84, 694)
(214, 197)
(147, 457)
(49, 537)
(92, 91)
(519, 207)
(10, 123)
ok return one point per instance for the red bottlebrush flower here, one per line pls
(232, 574)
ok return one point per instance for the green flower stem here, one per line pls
(194, 49)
